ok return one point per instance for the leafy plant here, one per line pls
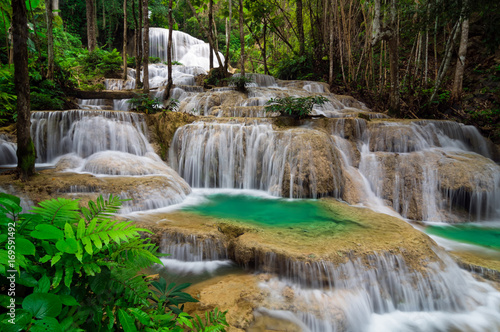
(79, 270)
(172, 106)
(294, 107)
(144, 103)
(239, 82)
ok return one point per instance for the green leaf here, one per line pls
(68, 300)
(69, 246)
(126, 321)
(16, 200)
(3, 237)
(141, 316)
(45, 259)
(68, 276)
(46, 324)
(42, 305)
(81, 229)
(55, 259)
(24, 246)
(57, 276)
(68, 231)
(43, 285)
(27, 280)
(47, 232)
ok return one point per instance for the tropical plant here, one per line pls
(145, 104)
(77, 269)
(293, 106)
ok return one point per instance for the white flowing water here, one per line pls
(253, 156)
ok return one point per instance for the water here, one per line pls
(263, 211)
(482, 235)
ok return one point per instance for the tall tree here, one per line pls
(145, 52)
(55, 7)
(242, 40)
(91, 26)
(210, 32)
(25, 148)
(138, 42)
(228, 35)
(459, 71)
(50, 40)
(300, 27)
(124, 39)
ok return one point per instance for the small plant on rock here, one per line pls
(294, 107)
(145, 104)
(239, 82)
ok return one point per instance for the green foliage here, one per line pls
(101, 61)
(239, 82)
(215, 77)
(145, 104)
(8, 96)
(80, 270)
(294, 107)
(294, 67)
(177, 63)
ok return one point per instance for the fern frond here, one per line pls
(58, 211)
(137, 252)
(102, 209)
(130, 285)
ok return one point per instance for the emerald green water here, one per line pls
(264, 211)
(483, 236)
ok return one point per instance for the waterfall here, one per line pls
(226, 155)
(7, 151)
(381, 294)
(87, 132)
(186, 49)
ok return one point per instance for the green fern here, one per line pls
(58, 211)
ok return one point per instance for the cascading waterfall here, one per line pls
(87, 132)
(186, 49)
(381, 294)
(227, 155)
(428, 169)
(7, 151)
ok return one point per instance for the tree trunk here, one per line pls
(145, 79)
(462, 52)
(242, 40)
(330, 49)
(300, 27)
(169, 49)
(264, 51)
(55, 7)
(210, 32)
(25, 148)
(228, 35)
(138, 43)
(50, 40)
(91, 33)
(125, 39)
(394, 100)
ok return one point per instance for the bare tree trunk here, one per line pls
(462, 52)
(145, 52)
(138, 43)
(300, 27)
(228, 35)
(330, 49)
(394, 100)
(242, 40)
(26, 154)
(55, 7)
(124, 39)
(210, 32)
(91, 27)
(264, 51)
(443, 68)
(169, 50)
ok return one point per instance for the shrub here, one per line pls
(145, 104)
(294, 107)
(239, 82)
(79, 270)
